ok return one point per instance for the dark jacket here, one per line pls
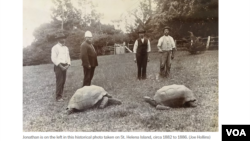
(88, 55)
(142, 47)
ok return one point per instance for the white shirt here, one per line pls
(136, 45)
(60, 54)
(166, 43)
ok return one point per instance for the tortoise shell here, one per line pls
(174, 96)
(86, 97)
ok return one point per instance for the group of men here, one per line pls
(61, 58)
(166, 47)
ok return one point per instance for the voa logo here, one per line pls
(236, 132)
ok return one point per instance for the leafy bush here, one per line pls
(39, 52)
(73, 42)
(197, 46)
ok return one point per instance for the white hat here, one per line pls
(88, 34)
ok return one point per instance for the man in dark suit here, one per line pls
(89, 59)
(141, 49)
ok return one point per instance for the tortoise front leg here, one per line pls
(162, 107)
(104, 102)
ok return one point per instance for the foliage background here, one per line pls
(197, 16)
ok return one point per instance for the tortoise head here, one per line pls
(149, 100)
(191, 103)
(108, 95)
(69, 111)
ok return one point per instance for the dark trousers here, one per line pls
(88, 75)
(142, 60)
(60, 80)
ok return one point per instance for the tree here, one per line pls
(141, 16)
(73, 21)
(198, 16)
(65, 13)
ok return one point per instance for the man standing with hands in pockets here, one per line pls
(167, 49)
(61, 59)
(89, 59)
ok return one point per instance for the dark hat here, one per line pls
(141, 31)
(167, 27)
(60, 36)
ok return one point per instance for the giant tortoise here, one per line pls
(90, 96)
(172, 96)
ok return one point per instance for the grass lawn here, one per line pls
(117, 75)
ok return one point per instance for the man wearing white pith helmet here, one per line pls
(89, 59)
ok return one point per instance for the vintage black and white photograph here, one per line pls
(120, 65)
